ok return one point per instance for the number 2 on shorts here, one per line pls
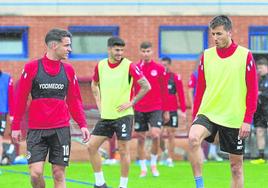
(124, 128)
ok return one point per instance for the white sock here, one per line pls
(153, 160)
(4, 124)
(123, 182)
(143, 165)
(169, 160)
(99, 178)
(212, 149)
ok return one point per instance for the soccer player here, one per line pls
(261, 115)
(6, 105)
(55, 95)
(225, 100)
(111, 87)
(175, 90)
(212, 148)
(149, 109)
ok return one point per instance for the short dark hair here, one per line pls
(115, 41)
(57, 34)
(262, 61)
(221, 20)
(167, 59)
(145, 45)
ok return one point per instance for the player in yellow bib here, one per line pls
(225, 100)
(111, 87)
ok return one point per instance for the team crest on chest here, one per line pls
(154, 72)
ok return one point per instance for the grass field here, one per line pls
(79, 175)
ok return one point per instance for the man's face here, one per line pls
(221, 37)
(63, 48)
(146, 54)
(116, 52)
(262, 69)
(166, 65)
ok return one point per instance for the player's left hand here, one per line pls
(182, 114)
(85, 134)
(124, 106)
(244, 130)
(184, 117)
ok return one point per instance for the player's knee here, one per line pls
(141, 139)
(124, 154)
(36, 174)
(171, 134)
(92, 149)
(141, 135)
(58, 175)
(237, 169)
(155, 134)
(123, 148)
(194, 140)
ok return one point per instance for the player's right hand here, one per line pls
(85, 134)
(16, 136)
(244, 130)
(124, 106)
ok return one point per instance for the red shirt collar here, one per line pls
(226, 52)
(51, 66)
(113, 65)
(49, 61)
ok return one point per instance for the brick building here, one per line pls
(133, 29)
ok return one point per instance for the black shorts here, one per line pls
(143, 119)
(55, 141)
(260, 121)
(261, 117)
(228, 137)
(173, 121)
(3, 123)
(121, 126)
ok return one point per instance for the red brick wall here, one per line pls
(133, 29)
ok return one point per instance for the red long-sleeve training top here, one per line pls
(48, 113)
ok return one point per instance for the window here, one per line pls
(90, 42)
(182, 42)
(258, 39)
(13, 42)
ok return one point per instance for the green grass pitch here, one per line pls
(80, 175)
